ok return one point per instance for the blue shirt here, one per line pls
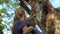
(18, 27)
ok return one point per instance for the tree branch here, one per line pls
(24, 6)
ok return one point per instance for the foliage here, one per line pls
(7, 6)
(3, 10)
(1, 25)
(4, 1)
(1, 28)
(58, 8)
(38, 15)
(7, 1)
(15, 4)
(1, 1)
(1, 32)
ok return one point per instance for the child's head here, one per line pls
(31, 21)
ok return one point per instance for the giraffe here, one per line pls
(50, 19)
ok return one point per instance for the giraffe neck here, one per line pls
(47, 7)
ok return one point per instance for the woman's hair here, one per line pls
(18, 14)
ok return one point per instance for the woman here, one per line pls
(19, 25)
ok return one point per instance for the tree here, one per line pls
(6, 7)
(3, 10)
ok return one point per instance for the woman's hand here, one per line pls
(27, 30)
(27, 33)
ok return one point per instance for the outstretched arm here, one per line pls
(27, 30)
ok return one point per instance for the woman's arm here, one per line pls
(27, 30)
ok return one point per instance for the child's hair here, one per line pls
(31, 22)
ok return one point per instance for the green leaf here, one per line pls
(58, 8)
(0, 21)
(1, 1)
(38, 15)
(1, 26)
(7, 1)
(1, 32)
(15, 4)
(3, 10)
(0, 13)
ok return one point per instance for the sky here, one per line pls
(55, 3)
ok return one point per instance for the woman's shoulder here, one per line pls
(21, 22)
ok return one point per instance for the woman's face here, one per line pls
(21, 13)
(24, 16)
